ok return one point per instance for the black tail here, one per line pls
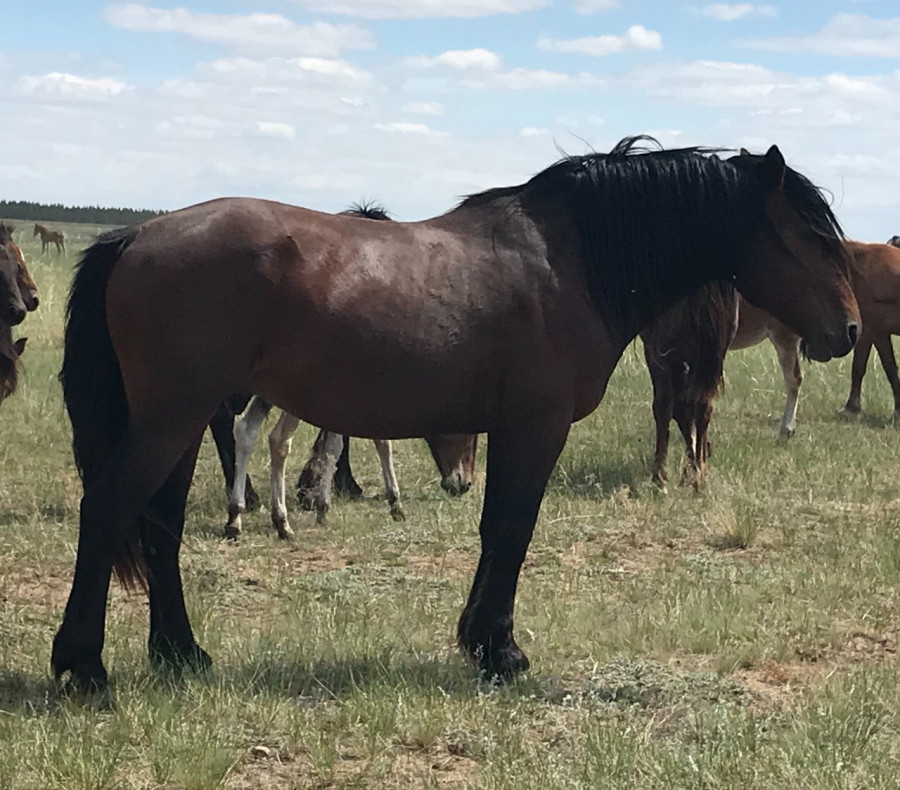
(92, 380)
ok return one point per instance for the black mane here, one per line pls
(653, 224)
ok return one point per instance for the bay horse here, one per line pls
(49, 237)
(506, 315)
(455, 454)
(685, 350)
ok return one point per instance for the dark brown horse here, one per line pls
(507, 315)
(685, 350)
(49, 237)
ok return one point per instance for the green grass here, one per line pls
(744, 637)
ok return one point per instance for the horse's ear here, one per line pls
(744, 152)
(773, 168)
(19, 346)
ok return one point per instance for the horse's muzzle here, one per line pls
(13, 314)
(832, 345)
(455, 485)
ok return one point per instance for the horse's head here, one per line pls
(798, 265)
(455, 458)
(894, 241)
(12, 303)
(37, 230)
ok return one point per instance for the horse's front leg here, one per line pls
(519, 461)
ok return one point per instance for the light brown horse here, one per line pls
(49, 237)
(506, 315)
(20, 297)
(875, 275)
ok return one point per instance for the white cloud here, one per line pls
(421, 9)
(276, 129)
(532, 131)
(844, 35)
(406, 128)
(530, 79)
(592, 6)
(71, 86)
(728, 12)
(636, 38)
(290, 70)
(423, 108)
(460, 59)
(253, 32)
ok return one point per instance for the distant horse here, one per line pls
(894, 241)
(684, 349)
(454, 453)
(49, 237)
(507, 316)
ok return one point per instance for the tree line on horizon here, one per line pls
(57, 212)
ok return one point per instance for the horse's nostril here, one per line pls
(853, 332)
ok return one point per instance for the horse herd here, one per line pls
(506, 315)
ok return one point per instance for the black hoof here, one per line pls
(503, 663)
(164, 655)
(347, 488)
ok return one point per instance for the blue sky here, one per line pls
(417, 102)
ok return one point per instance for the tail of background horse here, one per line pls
(92, 380)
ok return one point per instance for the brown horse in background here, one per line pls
(18, 296)
(685, 349)
(507, 316)
(875, 275)
(49, 237)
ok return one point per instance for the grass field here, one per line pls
(745, 637)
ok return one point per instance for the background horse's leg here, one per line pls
(885, 350)
(787, 347)
(171, 639)
(134, 471)
(246, 429)
(391, 487)
(279, 449)
(663, 408)
(861, 352)
(332, 445)
(344, 483)
(221, 426)
(519, 463)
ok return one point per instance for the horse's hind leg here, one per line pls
(135, 470)
(279, 449)
(391, 487)
(520, 460)
(662, 416)
(246, 429)
(171, 638)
